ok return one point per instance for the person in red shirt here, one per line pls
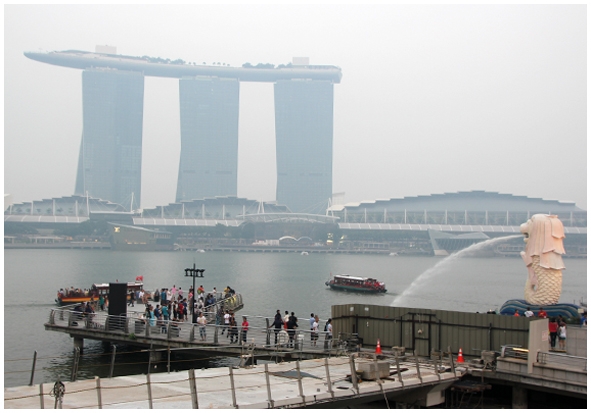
(516, 313)
(542, 313)
(553, 328)
(244, 328)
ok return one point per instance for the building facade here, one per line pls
(304, 135)
(110, 160)
(209, 138)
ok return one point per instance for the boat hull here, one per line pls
(75, 300)
(353, 289)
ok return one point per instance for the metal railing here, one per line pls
(578, 363)
(134, 325)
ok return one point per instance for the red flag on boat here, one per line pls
(139, 278)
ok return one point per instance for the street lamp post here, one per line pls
(193, 272)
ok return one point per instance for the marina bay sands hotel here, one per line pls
(109, 164)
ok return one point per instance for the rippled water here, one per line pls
(267, 282)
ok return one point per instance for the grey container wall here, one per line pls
(425, 330)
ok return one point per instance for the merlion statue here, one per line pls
(543, 258)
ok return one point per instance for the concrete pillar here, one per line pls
(519, 398)
(79, 342)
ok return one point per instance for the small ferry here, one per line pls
(356, 284)
(78, 295)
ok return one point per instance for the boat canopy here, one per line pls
(131, 285)
(350, 277)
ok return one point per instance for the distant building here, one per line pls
(109, 166)
(304, 133)
(209, 138)
(110, 160)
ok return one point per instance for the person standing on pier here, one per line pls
(328, 337)
(202, 321)
(292, 324)
(315, 330)
(244, 329)
(562, 336)
(233, 329)
(226, 323)
(286, 319)
(553, 328)
(277, 324)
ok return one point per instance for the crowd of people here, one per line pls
(289, 323)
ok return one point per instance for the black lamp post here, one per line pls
(193, 272)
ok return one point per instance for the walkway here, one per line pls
(311, 383)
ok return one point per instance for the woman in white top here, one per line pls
(562, 336)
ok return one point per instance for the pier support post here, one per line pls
(353, 374)
(232, 386)
(33, 368)
(79, 342)
(328, 381)
(42, 404)
(193, 386)
(300, 387)
(519, 398)
(98, 392)
(269, 398)
(113, 361)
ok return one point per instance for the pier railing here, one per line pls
(285, 385)
(579, 363)
(134, 326)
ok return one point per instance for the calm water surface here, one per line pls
(267, 282)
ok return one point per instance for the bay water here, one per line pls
(267, 282)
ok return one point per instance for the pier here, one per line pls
(133, 329)
(327, 383)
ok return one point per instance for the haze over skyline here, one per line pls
(433, 98)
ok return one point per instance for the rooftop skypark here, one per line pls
(157, 66)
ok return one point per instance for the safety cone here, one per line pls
(460, 356)
(378, 347)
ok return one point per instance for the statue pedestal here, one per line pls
(554, 310)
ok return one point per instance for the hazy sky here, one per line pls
(433, 98)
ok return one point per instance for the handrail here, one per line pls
(562, 359)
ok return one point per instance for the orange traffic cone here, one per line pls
(460, 356)
(378, 347)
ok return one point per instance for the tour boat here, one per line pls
(356, 284)
(78, 295)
